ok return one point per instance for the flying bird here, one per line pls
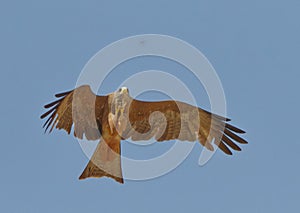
(117, 116)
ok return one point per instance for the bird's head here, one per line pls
(122, 91)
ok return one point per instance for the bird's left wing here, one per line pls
(168, 120)
(79, 107)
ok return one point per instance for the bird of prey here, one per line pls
(117, 116)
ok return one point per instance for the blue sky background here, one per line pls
(254, 47)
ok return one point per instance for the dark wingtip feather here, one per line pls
(235, 129)
(62, 94)
(235, 137)
(47, 113)
(47, 121)
(224, 148)
(219, 117)
(230, 143)
(52, 103)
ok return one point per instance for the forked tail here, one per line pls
(106, 161)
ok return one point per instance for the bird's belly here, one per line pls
(112, 139)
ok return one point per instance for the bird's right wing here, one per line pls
(79, 107)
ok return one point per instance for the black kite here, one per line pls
(117, 116)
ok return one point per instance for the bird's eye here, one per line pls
(120, 90)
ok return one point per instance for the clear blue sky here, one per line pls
(254, 47)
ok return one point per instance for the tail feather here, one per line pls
(106, 161)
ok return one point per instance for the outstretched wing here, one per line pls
(79, 107)
(167, 120)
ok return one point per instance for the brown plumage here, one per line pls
(117, 116)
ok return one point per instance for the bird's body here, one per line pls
(118, 116)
